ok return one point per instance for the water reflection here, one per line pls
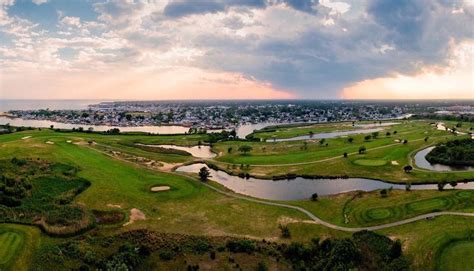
(326, 135)
(196, 151)
(421, 162)
(301, 188)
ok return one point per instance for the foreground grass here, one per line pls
(457, 256)
(17, 244)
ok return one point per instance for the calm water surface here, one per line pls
(196, 151)
(421, 162)
(326, 135)
(301, 188)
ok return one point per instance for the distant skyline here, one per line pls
(236, 49)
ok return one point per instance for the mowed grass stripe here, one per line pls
(10, 242)
(370, 216)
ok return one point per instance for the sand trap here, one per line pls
(135, 215)
(26, 137)
(114, 206)
(395, 163)
(397, 140)
(49, 142)
(68, 141)
(160, 188)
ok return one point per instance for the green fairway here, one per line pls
(457, 256)
(370, 162)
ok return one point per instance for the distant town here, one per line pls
(229, 114)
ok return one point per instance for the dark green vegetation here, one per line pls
(191, 225)
(454, 153)
(41, 193)
(146, 250)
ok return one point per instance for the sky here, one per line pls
(236, 49)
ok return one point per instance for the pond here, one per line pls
(196, 151)
(326, 135)
(421, 162)
(301, 188)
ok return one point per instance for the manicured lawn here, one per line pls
(370, 162)
(17, 244)
(457, 256)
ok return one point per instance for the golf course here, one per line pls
(87, 200)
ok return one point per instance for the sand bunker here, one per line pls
(397, 140)
(395, 163)
(114, 205)
(160, 188)
(49, 142)
(135, 215)
(68, 141)
(26, 137)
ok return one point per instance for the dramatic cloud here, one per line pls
(304, 48)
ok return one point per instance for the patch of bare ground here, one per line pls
(135, 215)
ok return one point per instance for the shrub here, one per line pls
(243, 245)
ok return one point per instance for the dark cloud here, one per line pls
(322, 60)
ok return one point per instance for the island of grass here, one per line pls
(453, 153)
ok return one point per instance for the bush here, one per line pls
(245, 246)
(166, 254)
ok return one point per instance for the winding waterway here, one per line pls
(421, 162)
(301, 188)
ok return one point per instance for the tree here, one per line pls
(407, 168)
(375, 135)
(408, 186)
(453, 184)
(441, 186)
(362, 149)
(350, 139)
(245, 148)
(345, 155)
(426, 139)
(405, 141)
(229, 150)
(314, 197)
(394, 132)
(285, 231)
(367, 137)
(387, 133)
(51, 127)
(321, 142)
(383, 193)
(204, 174)
(233, 133)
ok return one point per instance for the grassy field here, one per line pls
(384, 158)
(191, 208)
(457, 256)
(369, 208)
